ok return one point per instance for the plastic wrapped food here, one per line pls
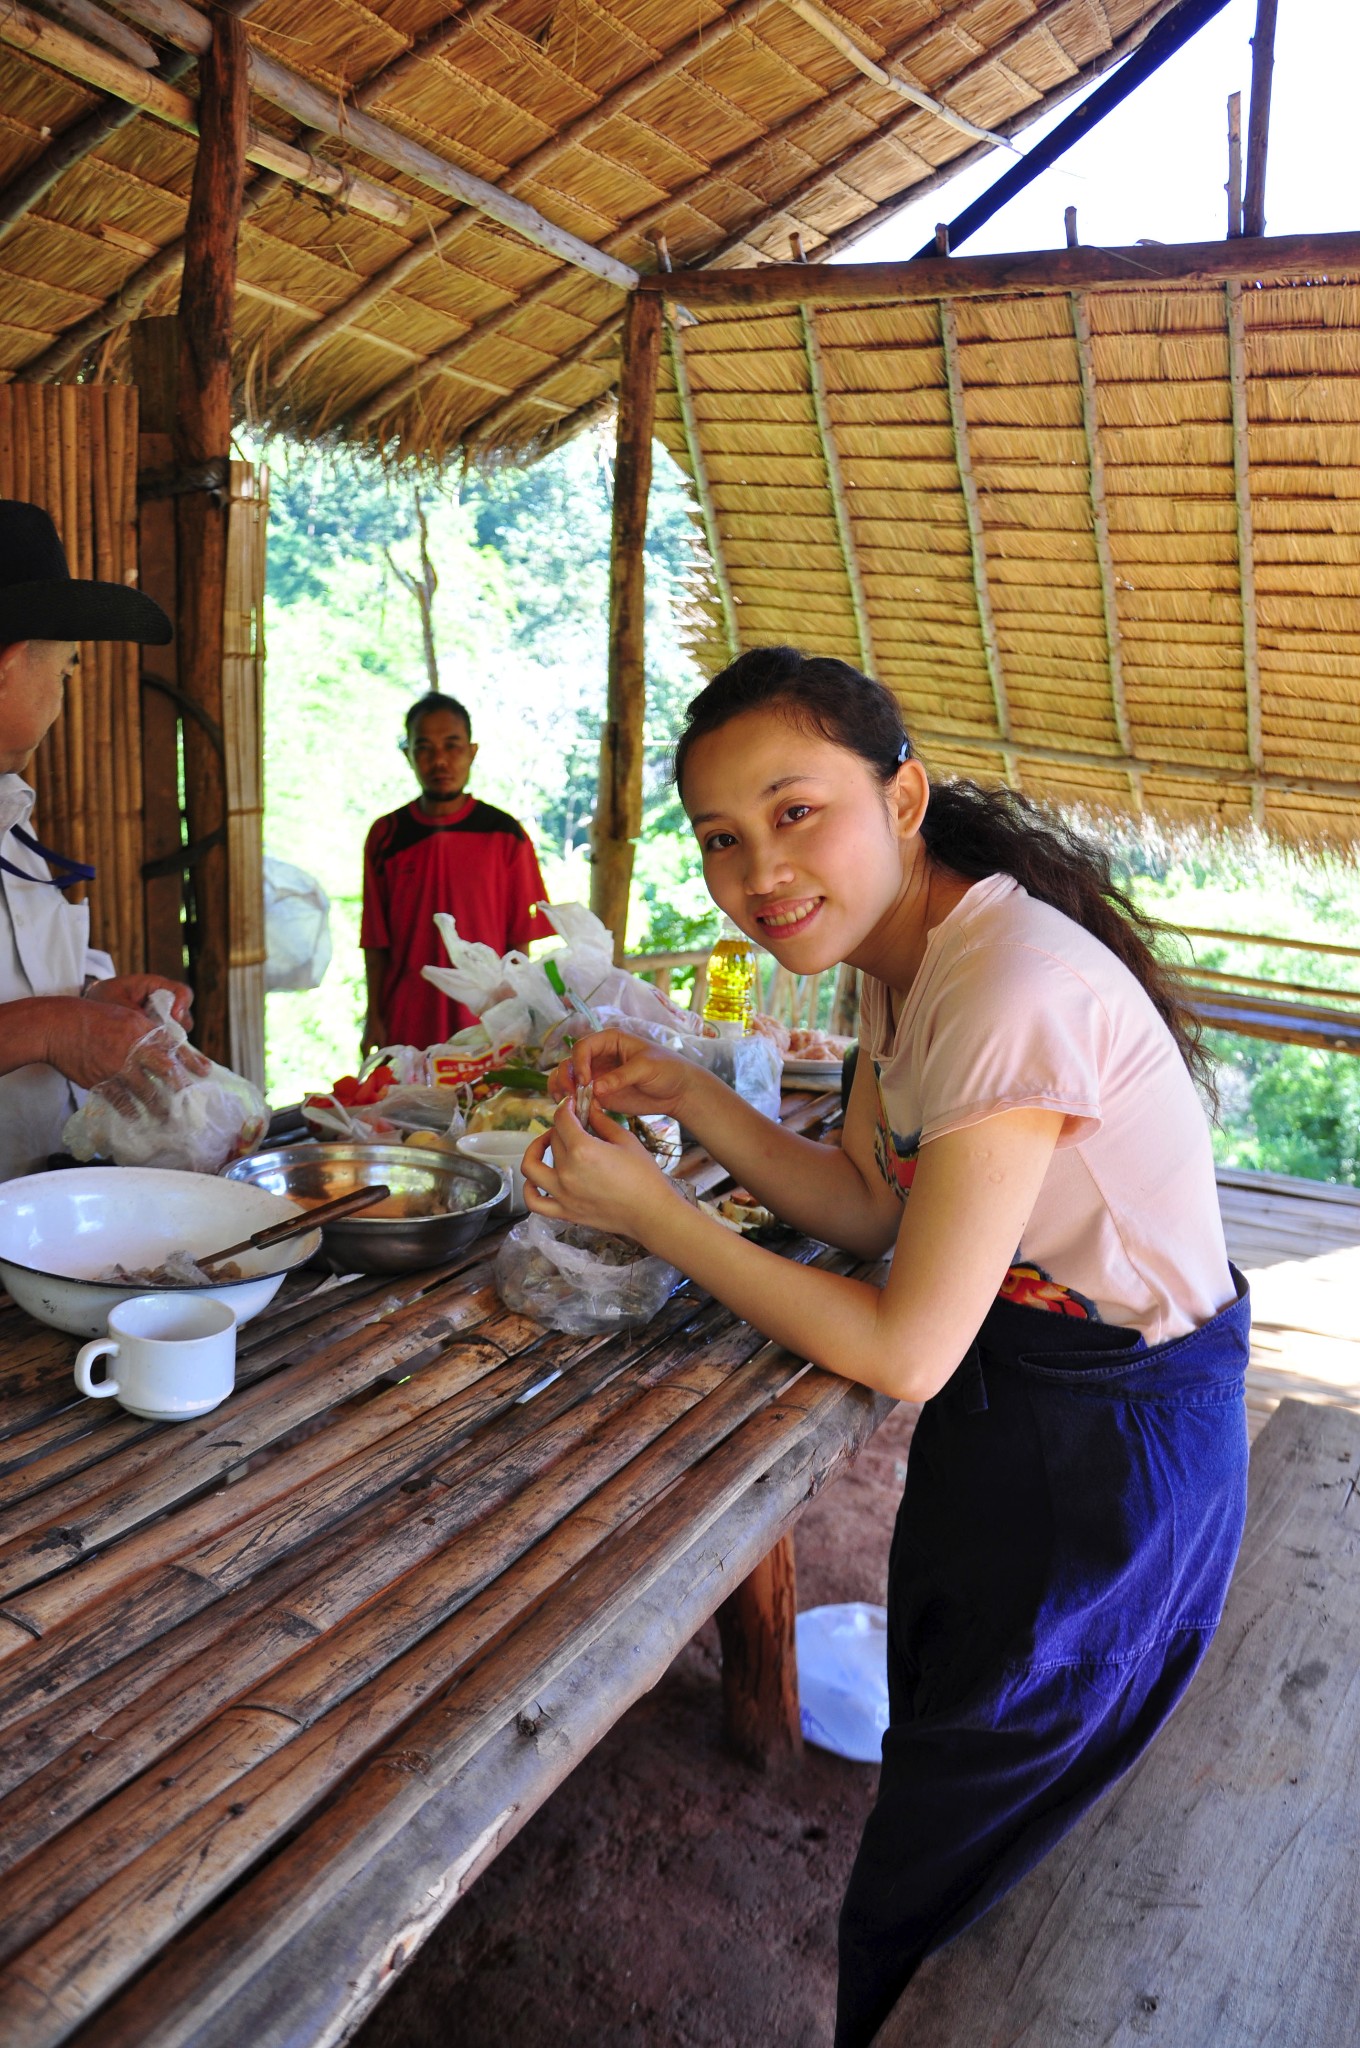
(586, 1282)
(168, 1106)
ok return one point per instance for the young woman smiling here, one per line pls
(1023, 1132)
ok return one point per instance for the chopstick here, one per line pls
(297, 1226)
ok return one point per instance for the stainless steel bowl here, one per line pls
(461, 1194)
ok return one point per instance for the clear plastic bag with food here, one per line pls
(168, 1106)
(587, 1282)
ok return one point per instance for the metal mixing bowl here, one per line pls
(462, 1193)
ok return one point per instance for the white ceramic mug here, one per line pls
(176, 1356)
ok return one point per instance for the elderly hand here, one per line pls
(132, 990)
(90, 1042)
(601, 1176)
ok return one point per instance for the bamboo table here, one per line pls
(277, 1684)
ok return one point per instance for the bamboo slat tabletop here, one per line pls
(239, 1656)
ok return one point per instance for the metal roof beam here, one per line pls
(185, 26)
(1100, 523)
(977, 543)
(835, 481)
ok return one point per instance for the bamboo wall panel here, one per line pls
(1211, 647)
(72, 448)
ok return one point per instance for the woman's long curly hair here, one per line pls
(971, 830)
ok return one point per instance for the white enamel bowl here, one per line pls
(58, 1229)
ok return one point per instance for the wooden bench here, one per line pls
(1212, 1900)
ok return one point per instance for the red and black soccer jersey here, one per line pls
(479, 865)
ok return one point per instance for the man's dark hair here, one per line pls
(436, 700)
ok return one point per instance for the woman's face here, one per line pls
(802, 847)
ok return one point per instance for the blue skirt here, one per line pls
(1072, 1512)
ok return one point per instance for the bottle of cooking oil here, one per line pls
(731, 980)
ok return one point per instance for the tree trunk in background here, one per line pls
(618, 810)
(202, 442)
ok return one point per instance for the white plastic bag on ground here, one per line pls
(572, 1278)
(297, 927)
(843, 1679)
(168, 1106)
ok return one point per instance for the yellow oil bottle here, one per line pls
(731, 980)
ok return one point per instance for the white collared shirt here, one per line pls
(44, 951)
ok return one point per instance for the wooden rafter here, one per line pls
(1246, 542)
(890, 81)
(36, 37)
(1100, 523)
(703, 490)
(725, 171)
(185, 26)
(701, 43)
(487, 425)
(977, 539)
(1041, 270)
(835, 483)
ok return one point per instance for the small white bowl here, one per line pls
(501, 1148)
(58, 1229)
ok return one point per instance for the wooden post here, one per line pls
(1070, 226)
(1233, 188)
(618, 809)
(759, 1665)
(1258, 122)
(202, 443)
(155, 372)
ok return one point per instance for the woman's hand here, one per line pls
(630, 1075)
(601, 1176)
(130, 991)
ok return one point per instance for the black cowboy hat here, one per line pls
(41, 600)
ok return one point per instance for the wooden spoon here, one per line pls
(297, 1226)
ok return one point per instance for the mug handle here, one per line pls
(102, 1347)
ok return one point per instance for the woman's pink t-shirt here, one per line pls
(1018, 1007)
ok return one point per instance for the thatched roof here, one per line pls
(723, 129)
(1105, 535)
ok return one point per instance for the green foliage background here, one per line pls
(522, 557)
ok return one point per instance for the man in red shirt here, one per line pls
(446, 851)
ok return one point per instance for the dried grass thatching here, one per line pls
(479, 340)
(1097, 587)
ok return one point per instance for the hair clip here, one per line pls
(904, 752)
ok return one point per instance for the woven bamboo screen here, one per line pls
(1105, 543)
(73, 449)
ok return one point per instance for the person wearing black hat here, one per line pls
(67, 1021)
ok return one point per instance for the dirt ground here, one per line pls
(667, 1896)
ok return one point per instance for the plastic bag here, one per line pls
(169, 1106)
(297, 927)
(515, 999)
(580, 1280)
(843, 1679)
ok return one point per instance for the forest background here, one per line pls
(519, 619)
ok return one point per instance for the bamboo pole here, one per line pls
(890, 81)
(618, 811)
(977, 539)
(148, 93)
(1215, 772)
(202, 441)
(1100, 522)
(835, 483)
(1246, 542)
(1233, 188)
(187, 27)
(703, 490)
(1258, 121)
